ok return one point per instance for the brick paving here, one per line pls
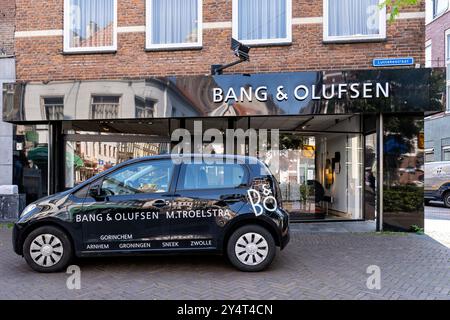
(313, 266)
(437, 223)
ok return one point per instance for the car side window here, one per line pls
(211, 176)
(143, 177)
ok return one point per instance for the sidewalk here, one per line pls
(313, 266)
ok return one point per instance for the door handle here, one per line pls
(159, 203)
(232, 198)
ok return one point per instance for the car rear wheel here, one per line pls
(447, 199)
(47, 249)
(251, 248)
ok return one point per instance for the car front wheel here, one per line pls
(47, 249)
(251, 248)
(447, 199)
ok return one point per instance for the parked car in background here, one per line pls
(158, 205)
(437, 182)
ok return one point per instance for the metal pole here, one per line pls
(380, 182)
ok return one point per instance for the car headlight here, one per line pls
(27, 210)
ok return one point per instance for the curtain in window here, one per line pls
(174, 21)
(91, 23)
(261, 19)
(353, 17)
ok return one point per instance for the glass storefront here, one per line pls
(30, 161)
(320, 171)
(403, 172)
(329, 127)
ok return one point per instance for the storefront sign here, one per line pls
(302, 92)
(408, 90)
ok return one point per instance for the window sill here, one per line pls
(266, 43)
(90, 51)
(354, 40)
(174, 48)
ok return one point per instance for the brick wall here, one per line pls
(7, 16)
(41, 58)
(435, 31)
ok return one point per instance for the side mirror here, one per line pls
(94, 191)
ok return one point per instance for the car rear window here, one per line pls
(211, 176)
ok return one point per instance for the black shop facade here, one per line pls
(349, 144)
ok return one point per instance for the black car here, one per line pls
(160, 204)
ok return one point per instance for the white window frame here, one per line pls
(447, 56)
(380, 36)
(438, 14)
(429, 44)
(68, 49)
(183, 45)
(256, 42)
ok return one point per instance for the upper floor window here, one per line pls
(428, 55)
(446, 153)
(262, 21)
(439, 7)
(105, 107)
(174, 24)
(53, 108)
(429, 155)
(348, 20)
(145, 107)
(90, 25)
(447, 46)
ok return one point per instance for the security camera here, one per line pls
(240, 50)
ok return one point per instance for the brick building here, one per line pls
(40, 28)
(7, 75)
(437, 44)
(7, 16)
(134, 71)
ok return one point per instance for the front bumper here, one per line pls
(432, 195)
(285, 239)
(16, 239)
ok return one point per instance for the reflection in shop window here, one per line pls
(144, 107)
(105, 107)
(446, 153)
(30, 161)
(53, 108)
(84, 159)
(429, 155)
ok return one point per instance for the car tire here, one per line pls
(427, 202)
(251, 248)
(47, 249)
(446, 199)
